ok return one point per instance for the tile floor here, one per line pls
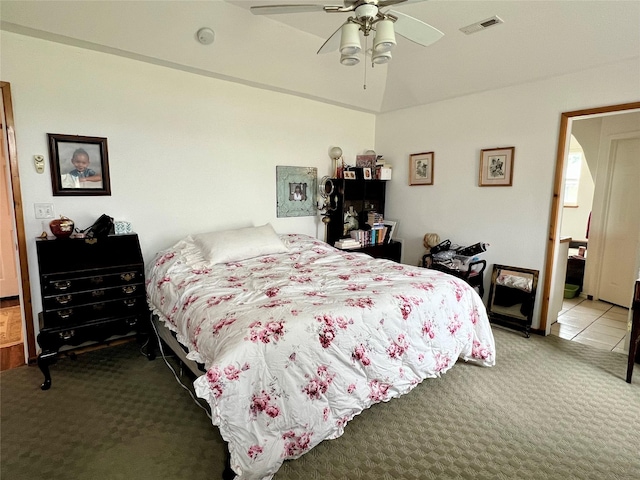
(592, 322)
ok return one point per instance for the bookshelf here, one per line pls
(357, 199)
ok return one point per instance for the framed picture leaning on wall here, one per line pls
(79, 165)
(421, 168)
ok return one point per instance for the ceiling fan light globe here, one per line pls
(385, 38)
(380, 58)
(350, 39)
(349, 60)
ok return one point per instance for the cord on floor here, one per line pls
(176, 375)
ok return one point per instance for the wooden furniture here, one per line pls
(634, 353)
(512, 296)
(363, 196)
(474, 276)
(92, 289)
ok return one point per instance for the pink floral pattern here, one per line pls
(313, 335)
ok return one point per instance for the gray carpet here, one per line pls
(550, 409)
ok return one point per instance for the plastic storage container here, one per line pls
(570, 290)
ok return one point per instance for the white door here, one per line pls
(622, 224)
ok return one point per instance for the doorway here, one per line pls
(556, 204)
(27, 349)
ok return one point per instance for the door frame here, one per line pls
(14, 174)
(556, 199)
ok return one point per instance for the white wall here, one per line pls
(575, 219)
(514, 220)
(187, 153)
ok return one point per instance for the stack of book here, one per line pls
(347, 243)
(375, 219)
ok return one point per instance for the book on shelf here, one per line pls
(347, 244)
(377, 235)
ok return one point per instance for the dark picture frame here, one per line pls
(421, 168)
(496, 167)
(79, 165)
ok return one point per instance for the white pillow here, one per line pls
(236, 245)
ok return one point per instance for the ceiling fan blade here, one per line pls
(277, 9)
(415, 30)
(388, 3)
(332, 43)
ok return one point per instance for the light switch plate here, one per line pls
(43, 210)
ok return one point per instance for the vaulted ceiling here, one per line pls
(538, 40)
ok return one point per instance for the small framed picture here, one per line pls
(366, 173)
(421, 168)
(79, 165)
(496, 167)
(349, 175)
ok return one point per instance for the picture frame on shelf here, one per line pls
(392, 225)
(496, 167)
(366, 161)
(366, 173)
(421, 168)
(79, 165)
(349, 175)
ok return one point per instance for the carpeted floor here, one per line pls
(549, 409)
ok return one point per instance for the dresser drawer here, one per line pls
(77, 298)
(81, 282)
(95, 312)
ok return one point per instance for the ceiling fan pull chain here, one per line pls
(364, 87)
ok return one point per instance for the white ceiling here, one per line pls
(539, 39)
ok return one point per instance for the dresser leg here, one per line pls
(44, 360)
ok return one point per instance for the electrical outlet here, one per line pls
(43, 210)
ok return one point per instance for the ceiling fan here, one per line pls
(367, 17)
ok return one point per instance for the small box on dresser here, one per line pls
(92, 289)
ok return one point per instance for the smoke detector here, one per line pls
(206, 36)
(482, 25)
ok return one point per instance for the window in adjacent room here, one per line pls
(572, 178)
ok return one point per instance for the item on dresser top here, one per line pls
(122, 227)
(102, 227)
(61, 227)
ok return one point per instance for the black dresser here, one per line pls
(92, 289)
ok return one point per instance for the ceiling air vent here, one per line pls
(482, 25)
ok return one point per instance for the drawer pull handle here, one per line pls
(65, 313)
(130, 302)
(129, 289)
(63, 299)
(62, 285)
(127, 277)
(97, 280)
(132, 322)
(98, 306)
(67, 334)
(97, 293)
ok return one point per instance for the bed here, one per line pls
(297, 341)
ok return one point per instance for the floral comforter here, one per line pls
(296, 344)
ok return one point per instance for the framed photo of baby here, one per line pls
(79, 165)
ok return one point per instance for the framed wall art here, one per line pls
(79, 165)
(296, 191)
(421, 168)
(496, 167)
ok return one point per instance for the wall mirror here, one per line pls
(512, 296)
